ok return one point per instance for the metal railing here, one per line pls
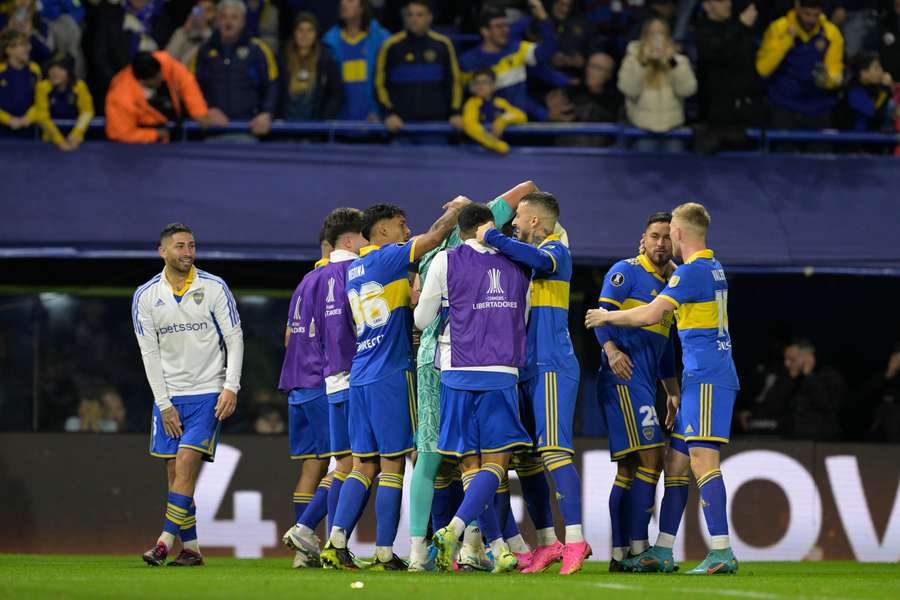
(620, 133)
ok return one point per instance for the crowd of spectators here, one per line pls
(718, 65)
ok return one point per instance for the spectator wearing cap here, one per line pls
(575, 36)
(18, 79)
(237, 72)
(197, 29)
(121, 31)
(802, 57)
(311, 85)
(153, 91)
(63, 96)
(355, 42)
(417, 76)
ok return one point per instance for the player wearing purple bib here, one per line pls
(337, 335)
(698, 294)
(481, 296)
(382, 401)
(302, 380)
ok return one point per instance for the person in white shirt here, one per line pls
(189, 333)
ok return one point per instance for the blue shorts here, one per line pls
(548, 410)
(480, 422)
(630, 412)
(199, 427)
(339, 438)
(705, 414)
(308, 429)
(383, 416)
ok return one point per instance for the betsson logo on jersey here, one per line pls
(181, 327)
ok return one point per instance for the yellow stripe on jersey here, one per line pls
(662, 328)
(551, 293)
(648, 266)
(615, 303)
(396, 294)
(698, 315)
(355, 70)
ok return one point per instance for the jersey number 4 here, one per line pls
(369, 306)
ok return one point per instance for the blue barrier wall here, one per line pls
(268, 200)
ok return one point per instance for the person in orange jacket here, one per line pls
(154, 90)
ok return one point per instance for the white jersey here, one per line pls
(185, 345)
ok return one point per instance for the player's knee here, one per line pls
(703, 460)
(627, 467)
(651, 458)
(395, 465)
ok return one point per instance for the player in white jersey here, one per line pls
(189, 332)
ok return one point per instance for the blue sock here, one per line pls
(301, 501)
(448, 495)
(536, 492)
(480, 493)
(178, 508)
(189, 528)
(643, 499)
(352, 501)
(712, 496)
(318, 507)
(337, 481)
(568, 485)
(619, 499)
(359, 513)
(510, 527)
(673, 504)
(387, 508)
(489, 523)
(502, 506)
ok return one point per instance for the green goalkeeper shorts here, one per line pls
(429, 401)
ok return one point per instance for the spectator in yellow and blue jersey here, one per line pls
(355, 43)
(63, 96)
(510, 57)
(802, 56)
(18, 78)
(486, 116)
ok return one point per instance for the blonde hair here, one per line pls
(693, 216)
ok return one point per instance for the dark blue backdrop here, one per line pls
(268, 200)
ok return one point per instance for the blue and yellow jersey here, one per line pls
(549, 343)
(378, 290)
(628, 284)
(699, 291)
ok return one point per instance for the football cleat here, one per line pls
(654, 559)
(187, 558)
(474, 559)
(395, 564)
(717, 562)
(447, 546)
(544, 556)
(308, 546)
(156, 556)
(505, 562)
(574, 555)
(337, 558)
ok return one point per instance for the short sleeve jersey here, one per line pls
(378, 291)
(699, 291)
(628, 284)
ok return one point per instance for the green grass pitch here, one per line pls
(46, 576)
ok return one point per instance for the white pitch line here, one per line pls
(709, 592)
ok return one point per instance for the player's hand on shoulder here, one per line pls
(620, 364)
(595, 317)
(226, 404)
(482, 231)
(171, 422)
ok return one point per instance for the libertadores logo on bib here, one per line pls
(494, 278)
